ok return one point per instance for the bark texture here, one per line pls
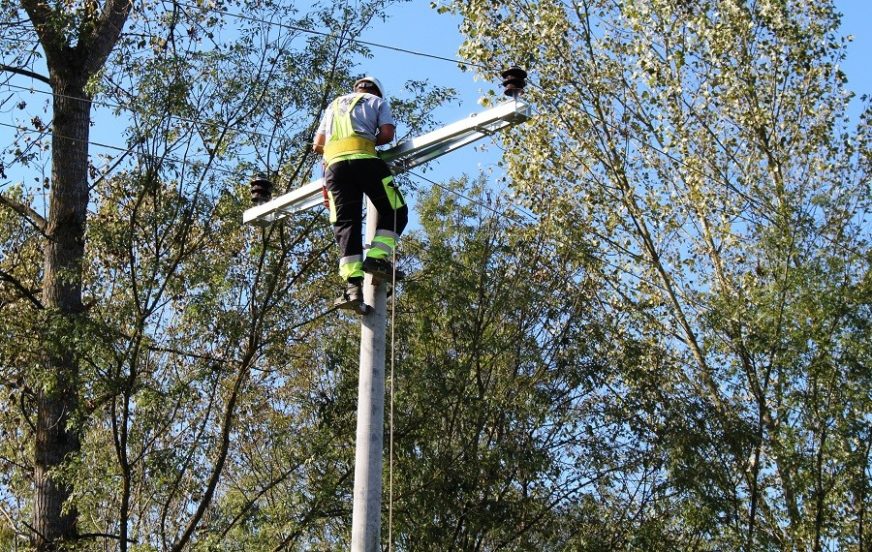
(72, 59)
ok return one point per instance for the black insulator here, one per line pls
(514, 81)
(261, 189)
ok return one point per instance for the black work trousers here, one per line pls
(347, 182)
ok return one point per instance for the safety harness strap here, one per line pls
(343, 141)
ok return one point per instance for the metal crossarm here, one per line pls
(304, 197)
(416, 151)
(402, 157)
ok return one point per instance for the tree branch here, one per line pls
(14, 526)
(41, 15)
(6, 277)
(82, 536)
(25, 211)
(105, 36)
(25, 72)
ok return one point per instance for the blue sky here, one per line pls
(415, 26)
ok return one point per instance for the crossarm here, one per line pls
(402, 157)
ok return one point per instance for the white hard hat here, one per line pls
(375, 81)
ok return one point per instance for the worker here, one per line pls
(351, 128)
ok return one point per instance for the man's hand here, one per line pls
(385, 135)
(318, 145)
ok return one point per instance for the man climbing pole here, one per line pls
(352, 126)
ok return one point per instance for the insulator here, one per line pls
(514, 81)
(261, 189)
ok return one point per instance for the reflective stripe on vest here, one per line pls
(343, 141)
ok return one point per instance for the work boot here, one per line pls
(382, 270)
(352, 298)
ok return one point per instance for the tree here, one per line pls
(505, 365)
(146, 343)
(76, 47)
(703, 152)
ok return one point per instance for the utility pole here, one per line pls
(369, 444)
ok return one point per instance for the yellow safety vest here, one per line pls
(344, 143)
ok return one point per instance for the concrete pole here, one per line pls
(369, 444)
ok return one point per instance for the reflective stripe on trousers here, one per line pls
(351, 267)
(383, 244)
(347, 182)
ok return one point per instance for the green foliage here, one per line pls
(502, 409)
(702, 152)
(211, 414)
(674, 356)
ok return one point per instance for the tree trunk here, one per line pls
(57, 427)
(57, 435)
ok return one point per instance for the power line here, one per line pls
(271, 24)
(326, 34)
(122, 150)
(554, 96)
(44, 134)
(332, 35)
(533, 219)
(495, 211)
(132, 110)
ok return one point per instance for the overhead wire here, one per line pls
(489, 68)
(104, 103)
(330, 35)
(504, 215)
(325, 34)
(298, 28)
(122, 150)
(554, 95)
